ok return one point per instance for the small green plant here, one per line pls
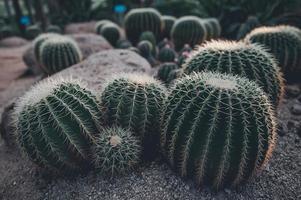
(188, 30)
(54, 29)
(56, 122)
(217, 129)
(237, 58)
(58, 53)
(134, 102)
(146, 49)
(140, 20)
(167, 54)
(111, 32)
(283, 43)
(33, 31)
(165, 72)
(116, 151)
(168, 23)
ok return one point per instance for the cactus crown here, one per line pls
(218, 129)
(38, 41)
(238, 58)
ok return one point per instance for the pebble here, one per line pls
(296, 109)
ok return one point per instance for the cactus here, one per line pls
(251, 23)
(283, 43)
(146, 49)
(215, 27)
(168, 23)
(135, 101)
(123, 44)
(116, 151)
(237, 58)
(38, 41)
(99, 25)
(53, 29)
(56, 122)
(166, 71)
(218, 129)
(111, 32)
(149, 36)
(163, 43)
(58, 53)
(184, 54)
(6, 31)
(140, 20)
(188, 30)
(33, 31)
(167, 54)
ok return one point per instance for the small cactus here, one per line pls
(56, 122)
(111, 32)
(184, 54)
(165, 70)
(251, 23)
(33, 31)
(167, 54)
(146, 49)
(123, 44)
(283, 43)
(149, 36)
(140, 20)
(168, 23)
(188, 30)
(134, 102)
(212, 27)
(58, 53)
(116, 151)
(237, 58)
(99, 25)
(218, 129)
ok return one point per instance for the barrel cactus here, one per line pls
(283, 43)
(212, 27)
(251, 23)
(149, 36)
(116, 151)
(167, 54)
(53, 29)
(134, 102)
(99, 25)
(140, 20)
(56, 122)
(218, 129)
(111, 32)
(33, 31)
(165, 71)
(237, 58)
(58, 53)
(168, 22)
(188, 30)
(184, 54)
(146, 48)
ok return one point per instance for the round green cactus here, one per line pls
(218, 129)
(140, 20)
(111, 32)
(188, 30)
(146, 49)
(237, 58)
(215, 27)
(251, 23)
(167, 54)
(56, 122)
(99, 25)
(116, 151)
(33, 31)
(135, 101)
(53, 29)
(283, 43)
(149, 36)
(165, 70)
(58, 53)
(168, 23)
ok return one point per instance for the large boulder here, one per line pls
(88, 43)
(86, 27)
(11, 42)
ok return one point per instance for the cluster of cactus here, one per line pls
(218, 129)
(247, 60)
(56, 122)
(33, 31)
(134, 102)
(251, 23)
(58, 53)
(116, 151)
(168, 22)
(283, 42)
(167, 54)
(140, 20)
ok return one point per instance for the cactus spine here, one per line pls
(283, 43)
(140, 20)
(135, 102)
(237, 58)
(56, 121)
(167, 54)
(218, 129)
(168, 23)
(58, 53)
(188, 30)
(116, 151)
(111, 32)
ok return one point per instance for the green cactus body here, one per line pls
(237, 58)
(123, 44)
(184, 54)
(251, 23)
(58, 53)
(116, 151)
(56, 121)
(215, 27)
(168, 23)
(135, 102)
(218, 129)
(99, 25)
(145, 49)
(37, 43)
(149, 36)
(167, 54)
(283, 43)
(33, 31)
(54, 29)
(165, 70)
(111, 32)
(188, 30)
(140, 20)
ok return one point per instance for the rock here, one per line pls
(292, 91)
(6, 125)
(13, 42)
(86, 27)
(296, 109)
(282, 130)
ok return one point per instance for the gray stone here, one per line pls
(86, 27)
(296, 109)
(13, 42)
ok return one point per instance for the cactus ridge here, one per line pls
(237, 58)
(116, 151)
(222, 117)
(56, 122)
